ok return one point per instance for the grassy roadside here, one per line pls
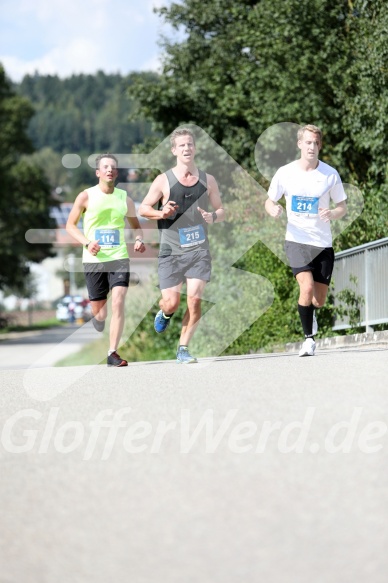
(46, 324)
(94, 353)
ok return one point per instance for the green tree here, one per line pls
(82, 114)
(51, 162)
(25, 192)
(245, 65)
(360, 84)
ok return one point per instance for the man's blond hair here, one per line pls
(310, 128)
(182, 131)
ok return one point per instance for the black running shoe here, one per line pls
(98, 324)
(115, 360)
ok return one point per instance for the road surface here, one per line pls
(44, 348)
(265, 468)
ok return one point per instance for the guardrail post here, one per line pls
(368, 328)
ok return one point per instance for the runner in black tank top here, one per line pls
(186, 230)
(182, 196)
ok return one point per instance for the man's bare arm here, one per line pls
(79, 206)
(135, 226)
(155, 194)
(338, 212)
(215, 198)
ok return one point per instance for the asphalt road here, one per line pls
(43, 348)
(265, 468)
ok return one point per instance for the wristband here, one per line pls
(214, 215)
(139, 239)
(87, 244)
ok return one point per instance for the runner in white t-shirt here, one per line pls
(308, 185)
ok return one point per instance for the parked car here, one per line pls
(73, 308)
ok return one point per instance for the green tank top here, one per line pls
(103, 220)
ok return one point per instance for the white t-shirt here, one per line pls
(306, 192)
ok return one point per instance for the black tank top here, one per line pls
(186, 230)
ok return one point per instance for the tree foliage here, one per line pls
(82, 113)
(246, 65)
(25, 193)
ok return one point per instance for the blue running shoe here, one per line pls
(161, 322)
(183, 356)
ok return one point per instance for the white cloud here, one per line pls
(71, 36)
(152, 64)
(79, 56)
(16, 68)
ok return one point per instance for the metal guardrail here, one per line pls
(369, 265)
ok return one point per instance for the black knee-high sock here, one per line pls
(306, 317)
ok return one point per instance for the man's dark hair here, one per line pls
(106, 155)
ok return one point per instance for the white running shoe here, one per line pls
(315, 324)
(308, 348)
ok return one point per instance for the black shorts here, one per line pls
(101, 277)
(174, 269)
(318, 260)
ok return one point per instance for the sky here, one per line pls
(65, 37)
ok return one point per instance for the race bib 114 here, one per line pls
(107, 238)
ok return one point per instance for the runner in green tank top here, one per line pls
(104, 210)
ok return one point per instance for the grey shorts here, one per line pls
(101, 277)
(175, 269)
(318, 260)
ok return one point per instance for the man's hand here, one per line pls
(325, 215)
(94, 247)
(275, 211)
(139, 246)
(207, 217)
(169, 209)
(338, 212)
